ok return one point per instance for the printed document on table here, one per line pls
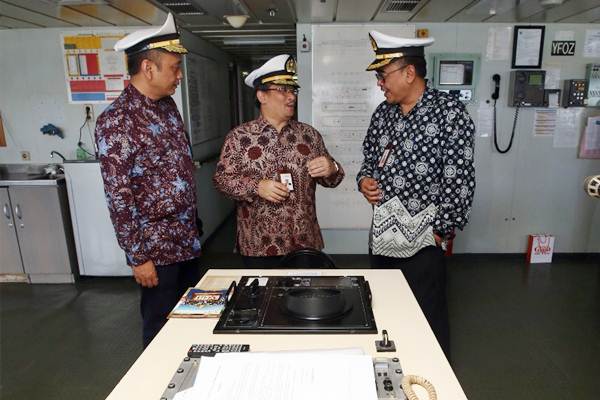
(290, 376)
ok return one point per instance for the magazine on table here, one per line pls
(200, 303)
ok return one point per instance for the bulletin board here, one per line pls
(207, 92)
(94, 71)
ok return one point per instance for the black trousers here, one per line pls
(262, 262)
(425, 273)
(157, 302)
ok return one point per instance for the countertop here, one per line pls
(27, 179)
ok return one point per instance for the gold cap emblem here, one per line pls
(290, 65)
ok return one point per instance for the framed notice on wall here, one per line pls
(528, 46)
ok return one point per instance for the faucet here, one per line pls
(53, 152)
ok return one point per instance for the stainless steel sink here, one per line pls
(26, 174)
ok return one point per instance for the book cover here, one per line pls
(198, 303)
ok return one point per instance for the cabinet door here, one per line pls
(40, 228)
(10, 261)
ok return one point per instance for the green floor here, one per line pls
(518, 331)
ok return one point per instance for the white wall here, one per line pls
(33, 93)
(533, 188)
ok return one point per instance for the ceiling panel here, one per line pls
(440, 10)
(316, 11)
(272, 11)
(15, 23)
(35, 18)
(144, 11)
(108, 14)
(520, 12)
(398, 10)
(592, 15)
(357, 10)
(478, 11)
(569, 9)
(50, 8)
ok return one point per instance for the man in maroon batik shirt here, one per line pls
(271, 166)
(148, 174)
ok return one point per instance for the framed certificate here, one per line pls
(528, 46)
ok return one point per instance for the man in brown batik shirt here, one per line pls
(271, 166)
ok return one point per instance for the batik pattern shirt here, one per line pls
(255, 151)
(423, 162)
(148, 178)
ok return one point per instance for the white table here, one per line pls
(394, 306)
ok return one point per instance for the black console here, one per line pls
(298, 304)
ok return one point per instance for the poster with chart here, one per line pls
(344, 97)
(94, 71)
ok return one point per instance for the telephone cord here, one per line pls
(512, 135)
(410, 380)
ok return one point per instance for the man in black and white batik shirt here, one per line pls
(417, 172)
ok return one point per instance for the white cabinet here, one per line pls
(98, 251)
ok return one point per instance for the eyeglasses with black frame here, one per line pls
(381, 75)
(284, 90)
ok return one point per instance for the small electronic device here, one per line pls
(592, 74)
(388, 378)
(574, 93)
(527, 89)
(186, 372)
(456, 73)
(209, 350)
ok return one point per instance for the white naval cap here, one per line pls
(388, 47)
(165, 37)
(279, 70)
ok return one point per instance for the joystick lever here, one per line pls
(385, 344)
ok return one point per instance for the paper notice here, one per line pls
(498, 44)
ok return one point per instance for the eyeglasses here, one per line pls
(285, 90)
(381, 76)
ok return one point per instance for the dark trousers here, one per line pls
(157, 302)
(425, 273)
(262, 262)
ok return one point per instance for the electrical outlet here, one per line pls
(88, 111)
(25, 156)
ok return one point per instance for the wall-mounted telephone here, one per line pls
(574, 93)
(527, 89)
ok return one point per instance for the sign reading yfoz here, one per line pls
(563, 48)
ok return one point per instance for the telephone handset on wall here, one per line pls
(495, 96)
(496, 79)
